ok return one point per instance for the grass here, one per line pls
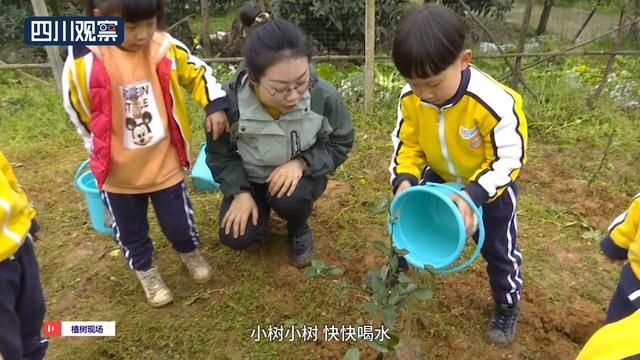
(568, 281)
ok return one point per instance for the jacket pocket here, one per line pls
(262, 143)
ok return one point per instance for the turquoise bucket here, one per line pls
(425, 222)
(201, 174)
(101, 219)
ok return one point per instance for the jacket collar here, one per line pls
(462, 88)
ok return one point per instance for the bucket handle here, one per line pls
(475, 209)
(79, 171)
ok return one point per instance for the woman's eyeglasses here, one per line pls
(299, 88)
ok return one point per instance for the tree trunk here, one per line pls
(544, 17)
(633, 13)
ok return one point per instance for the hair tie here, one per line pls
(261, 18)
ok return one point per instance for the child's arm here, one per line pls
(622, 231)
(408, 159)
(197, 77)
(75, 96)
(505, 143)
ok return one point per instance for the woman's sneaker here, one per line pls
(157, 292)
(199, 270)
(502, 327)
(301, 247)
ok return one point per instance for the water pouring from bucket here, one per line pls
(424, 221)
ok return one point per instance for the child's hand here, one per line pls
(238, 214)
(284, 179)
(217, 124)
(467, 213)
(403, 185)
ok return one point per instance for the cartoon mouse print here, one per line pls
(142, 124)
(141, 133)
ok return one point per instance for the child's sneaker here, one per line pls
(157, 292)
(502, 327)
(199, 270)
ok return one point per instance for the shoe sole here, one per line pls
(201, 281)
(159, 305)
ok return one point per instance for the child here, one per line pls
(288, 130)
(623, 243)
(456, 123)
(127, 104)
(21, 299)
(616, 340)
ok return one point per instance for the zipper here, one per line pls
(443, 145)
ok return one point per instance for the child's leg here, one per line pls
(500, 248)
(626, 298)
(253, 234)
(175, 216)
(21, 306)
(131, 227)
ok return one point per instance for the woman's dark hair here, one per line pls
(428, 41)
(270, 41)
(130, 10)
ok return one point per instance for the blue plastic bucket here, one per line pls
(201, 174)
(101, 219)
(424, 221)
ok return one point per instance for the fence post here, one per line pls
(53, 53)
(369, 59)
(206, 39)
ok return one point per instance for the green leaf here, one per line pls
(378, 346)
(389, 315)
(401, 252)
(311, 272)
(317, 264)
(380, 296)
(423, 294)
(403, 278)
(410, 288)
(393, 264)
(372, 308)
(352, 354)
(401, 303)
(331, 271)
(384, 271)
(379, 245)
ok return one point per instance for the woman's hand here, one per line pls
(242, 206)
(217, 124)
(284, 179)
(468, 214)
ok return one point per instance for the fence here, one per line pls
(341, 31)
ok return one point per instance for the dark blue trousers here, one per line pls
(131, 227)
(500, 248)
(295, 209)
(626, 298)
(21, 306)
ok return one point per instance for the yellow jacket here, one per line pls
(615, 341)
(623, 240)
(16, 213)
(478, 138)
